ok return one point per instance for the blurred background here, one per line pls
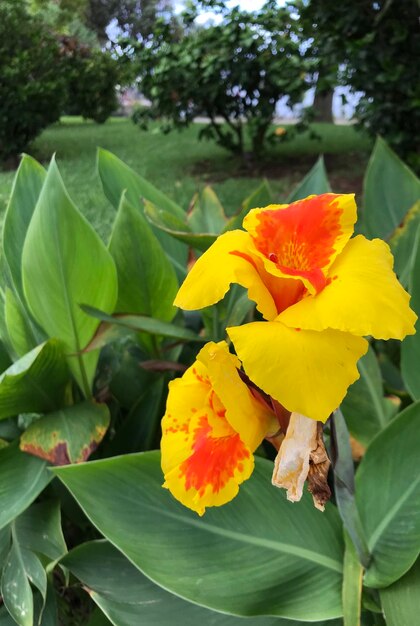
(190, 93)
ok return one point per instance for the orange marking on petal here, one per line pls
(285, 292)
(300, 238)
(213, 461)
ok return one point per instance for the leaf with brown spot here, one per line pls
(69, 435)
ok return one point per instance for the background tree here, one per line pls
(32, 88)
(134, 18)
(236, 70)
(375, 44)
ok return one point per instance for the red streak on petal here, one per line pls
(214, 459)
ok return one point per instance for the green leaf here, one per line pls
(173, 226)
(315, 182)
(261, 197)
(127, 597)
(22, 478)
(15, 588)
(145, 324)
(239, 558)
(410, 348)
(25, 193)
(403, 244)
(69, 435)
(401, 601)
(36, 383)
(34, 571)
(207, 214)
(388, 498)
(116, 177)
(352, 584)
(366, 410)
(390, 190)
(344, 487)
(18, 327)
(64, 263)
(39, 529)
(147, 283)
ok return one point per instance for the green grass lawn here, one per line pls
(179, 164)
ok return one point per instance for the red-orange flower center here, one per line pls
(299, 239)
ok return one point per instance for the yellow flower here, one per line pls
(320, 291)
(280, 131)
(212, 425)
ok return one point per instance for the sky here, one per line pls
(247, 5)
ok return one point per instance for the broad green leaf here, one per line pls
(410, 348)
(403, 244)
(18, 326)
(315, 182)
(390, 190)
(173, 226)
(48, 612)
(401, 601)
(145, 324)
(5, 618)
(22, 478)
(117, 177)
(5, 542)
(388, 498)
(36, 383)
(207, 214)
(69, 435)
(366, 410)
(352, 584)
(25, 193)
(16, 590)
(65, 263)
(127, 597)
(239, 558)
(261, 197)
(147, 283)
(39, 529)
(5, 360)
(34, 571)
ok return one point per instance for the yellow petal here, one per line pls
(216, 464)
(204, 457)
(308, 372)
(187, 396)
(213, 273)
(364, 296)
(301, 240)
(250, 418)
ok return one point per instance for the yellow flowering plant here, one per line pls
(320, 291)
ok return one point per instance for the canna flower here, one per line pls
(211, 427)
(319, 290)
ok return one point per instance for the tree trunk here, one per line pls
(323, 105)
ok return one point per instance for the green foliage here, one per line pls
(32, 90)
(234, 72)
(93, 339)
(374, 43)
(91, 76)
(193, 552)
